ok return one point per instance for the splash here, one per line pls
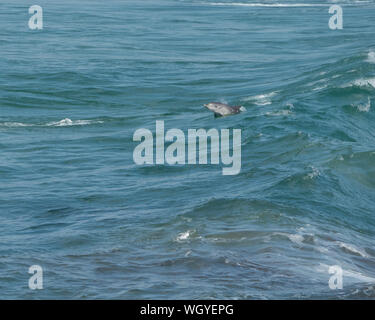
(261, 99)
(184, 236)
(313, 174)
(364, 107)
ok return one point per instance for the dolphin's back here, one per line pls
(223, 109)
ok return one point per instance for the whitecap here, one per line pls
(295, 238)
(370, 82)
(352, 249)
(184, 236)
(69, 122)
(64, 122)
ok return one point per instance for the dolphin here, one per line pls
(222, 109)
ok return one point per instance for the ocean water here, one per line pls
(73, 201)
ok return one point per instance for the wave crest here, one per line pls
(67, 122)
(62, 123)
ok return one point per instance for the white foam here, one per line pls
(371, 57)
(370, 82)
(352, 249)
(320, 87)
(364, 107)
(295, 238)
(261, 99)
(14, 124)
(68, 122)
(64, 122)
(313, 174)
(61, 123)
(184, 236)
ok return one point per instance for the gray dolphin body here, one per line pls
(222, 109)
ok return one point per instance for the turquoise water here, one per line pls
(73, 201)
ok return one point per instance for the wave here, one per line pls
(362, 83)
(350, 81)
(67, 122)
(352, 250)
(61, 123)
(354, 275)
(277, 5)
(363, 107)
(14, 124)
(185, 236)
(295, 238)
